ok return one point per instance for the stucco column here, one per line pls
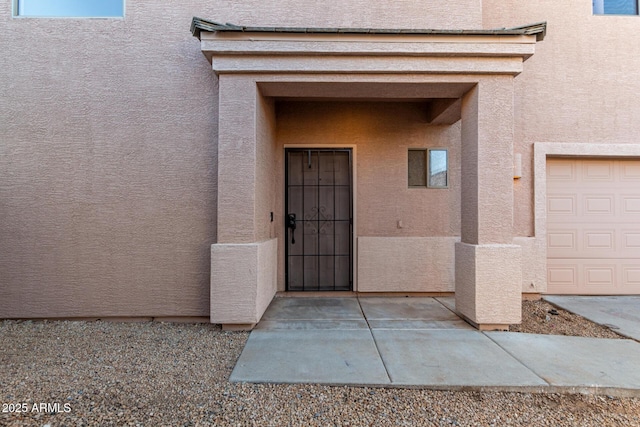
(236, 159)
(244, 260)
(488, 264)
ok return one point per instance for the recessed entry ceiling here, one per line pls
(363, 91)
(442, 101)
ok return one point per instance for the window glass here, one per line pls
(615, 7)
(71, 8)
(438, 168)
(417, 168)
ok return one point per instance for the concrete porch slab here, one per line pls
(313, 309)
(346, 324)
(310, 356)
(576, 361)
(449, 302)
(393, 308)
(419, 324)
(313, 313)
(409, 313)
(450, 358)
(620, 313)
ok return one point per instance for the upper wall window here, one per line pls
(615, 7)
(71, 8)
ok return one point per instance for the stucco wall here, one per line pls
(453, 14)
(267, 155)
(107, 164)
(406, 264)
(581, 85)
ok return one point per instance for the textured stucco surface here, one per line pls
(107, 164)
(406, 264)
(488, 267)
(534, 267)
(488, 283)
(243, 281)
(453, 14)
(487, 162)
(267, 275)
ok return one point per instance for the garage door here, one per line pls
(593, 226)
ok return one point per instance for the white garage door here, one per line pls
(593, 226)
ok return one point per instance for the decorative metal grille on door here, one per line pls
(319, 220)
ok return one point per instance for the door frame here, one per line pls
(354, 206)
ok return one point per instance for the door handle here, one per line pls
(291, 223)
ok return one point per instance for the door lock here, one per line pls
(291, 223)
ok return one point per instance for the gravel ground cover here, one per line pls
(540, 317)
(114, 374)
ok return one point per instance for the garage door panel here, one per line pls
(598, 204)
(599, 244)
(562, 171)
(593, 226)
(598, 170)
(563, 275)
(587, 276)
(619, 241)
(630, 204)
(562, 205)
(591, 242)
(599, 277)
(631, 276)
(631, 240)
(562, 240)
(630, 170)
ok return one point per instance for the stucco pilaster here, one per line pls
(487, 162)
(243, 281)
(489, 284)
(488, 265)
(237, 160)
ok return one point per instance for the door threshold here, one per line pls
(354, 294)
(316, 294)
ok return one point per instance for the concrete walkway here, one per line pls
(420, 342)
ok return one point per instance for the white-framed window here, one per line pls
(69, 8)
(428, 167)
(615, 7)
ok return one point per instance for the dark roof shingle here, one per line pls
(198, 25)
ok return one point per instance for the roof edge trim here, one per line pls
(198, 25)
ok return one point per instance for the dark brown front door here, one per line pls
(319, 219)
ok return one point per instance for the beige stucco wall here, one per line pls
(581, 86)
(107, 164)
(244, 282)
(406, 264)
(495, 272)
(452, 14)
